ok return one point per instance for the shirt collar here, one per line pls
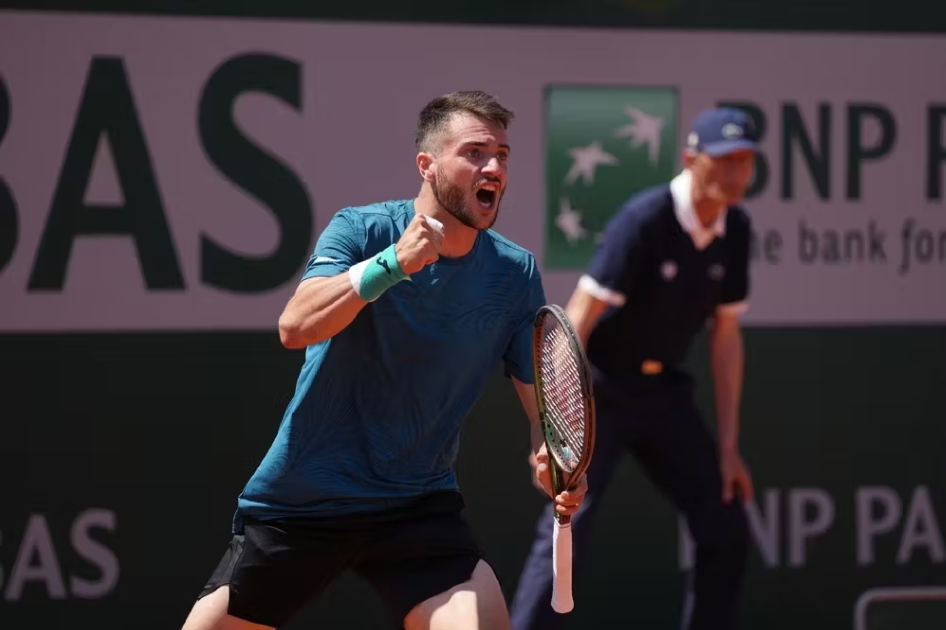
(680, 190)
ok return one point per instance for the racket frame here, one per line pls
(558, 467)
(562, 600)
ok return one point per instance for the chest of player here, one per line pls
(679, 275)
(451, 309)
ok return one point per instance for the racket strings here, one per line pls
(565, 405)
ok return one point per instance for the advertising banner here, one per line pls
(167, 173)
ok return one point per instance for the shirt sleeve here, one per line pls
(339, 247)
(518, 357)
(734, 297)
(616, 261)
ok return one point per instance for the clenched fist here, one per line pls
(420, 244)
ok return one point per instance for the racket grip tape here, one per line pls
(562, 601)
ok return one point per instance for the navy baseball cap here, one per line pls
(721, 131)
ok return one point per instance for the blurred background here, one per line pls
(165, 169)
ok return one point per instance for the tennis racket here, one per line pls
(567, 412)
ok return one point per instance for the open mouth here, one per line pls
(486, 195)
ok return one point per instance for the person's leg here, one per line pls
(210, 613)
(531, 607)
(679, 454)
(426, 564)
(476, 604)
(267, 574)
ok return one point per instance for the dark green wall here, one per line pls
(165, 429)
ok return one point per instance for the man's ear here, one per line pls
(426, 165)
(688, 158)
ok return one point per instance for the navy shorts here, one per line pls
(408, 555)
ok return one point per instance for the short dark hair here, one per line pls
(435, 115)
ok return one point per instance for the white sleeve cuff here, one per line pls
(733, 308)
(591, 286)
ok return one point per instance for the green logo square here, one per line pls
(602, 146)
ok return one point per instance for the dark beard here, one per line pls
(452, 199)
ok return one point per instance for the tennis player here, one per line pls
(674, 257)
(406, 308)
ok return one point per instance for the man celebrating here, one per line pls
(673, 257)
(405, 310)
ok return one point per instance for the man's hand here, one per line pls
(420, 244)
(736, 479)
(567, 502)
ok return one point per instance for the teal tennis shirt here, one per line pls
(376, 416)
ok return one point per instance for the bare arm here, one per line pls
(323, 306)
(568, 501)
(583, 311)
(726, 362)
(320, 309)
(531, 407)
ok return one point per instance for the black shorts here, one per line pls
(273, 568)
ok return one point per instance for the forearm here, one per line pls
(727, 359)
(536, 435)
(531, 408)
(583, 312)
(320, 309)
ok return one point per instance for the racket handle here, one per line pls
(562, 601)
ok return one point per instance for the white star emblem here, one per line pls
(644, 130)
(585, 160)
(569, 222)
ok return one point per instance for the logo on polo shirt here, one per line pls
(602, 146)
(668, 270)
(716, 272)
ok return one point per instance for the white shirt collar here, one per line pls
(680, 189)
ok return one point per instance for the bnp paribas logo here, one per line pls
(602, 145)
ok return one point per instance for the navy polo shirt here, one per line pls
(664, 275)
